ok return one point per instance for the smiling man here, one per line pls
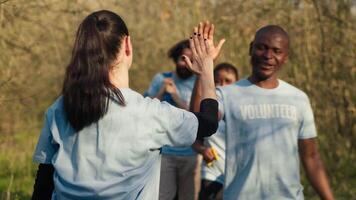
(270, 128)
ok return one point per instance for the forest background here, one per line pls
(36, 38)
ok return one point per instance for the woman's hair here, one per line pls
(87, 87)
(176, 51)
(227, 67)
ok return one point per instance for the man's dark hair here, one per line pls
(227, 67)
(176, 51)
(274, 29)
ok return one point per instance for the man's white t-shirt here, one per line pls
(263, 127)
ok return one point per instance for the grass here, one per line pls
(17, 170)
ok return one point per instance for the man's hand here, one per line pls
(208, 155)
(205, 151)
(170, 87)
(314, 168)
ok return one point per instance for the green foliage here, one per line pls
(36, 38)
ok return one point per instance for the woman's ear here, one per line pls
(128, 50)
(128, 46)
(124, 56)
(285, 58)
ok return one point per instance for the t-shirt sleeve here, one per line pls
(155, 86)
(307, 127)
(46, 147)
(219, 94)
(171, 126)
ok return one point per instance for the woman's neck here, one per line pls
(119, 77)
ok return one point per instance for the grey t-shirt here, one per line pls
(118, 157)
(262, 129)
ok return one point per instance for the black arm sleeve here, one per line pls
(43, 188)
(207, 117)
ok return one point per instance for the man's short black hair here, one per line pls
(176, 51)
(227, 67)
(274, 29)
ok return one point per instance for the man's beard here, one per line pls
(183, 73)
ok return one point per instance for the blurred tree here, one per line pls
(36, 38)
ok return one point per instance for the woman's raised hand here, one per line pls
(209, 35)
(203, 48)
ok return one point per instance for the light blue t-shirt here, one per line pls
(118, 157)
(263, 127)
(185, 88)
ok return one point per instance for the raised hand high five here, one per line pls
(202, 46)
(204, 53)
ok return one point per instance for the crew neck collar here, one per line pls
(265, 89)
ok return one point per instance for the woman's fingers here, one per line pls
(211, 32)
(206, 29)
(192, 44)
(202, 45)
(196, 39)
(209, 46)
(201, 37)
(198, 45)
(208, 42)
(220, 44)
(218, 48)
(200, 29)
(203, 34)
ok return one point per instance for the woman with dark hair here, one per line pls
(100, 139)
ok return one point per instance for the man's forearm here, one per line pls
(198, 146)
(316, 174)
(314, 168)
(159, 95)
(179, 102)
(196, 96)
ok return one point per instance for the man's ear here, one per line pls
(250, 49)
(128, 46)
(285, 58)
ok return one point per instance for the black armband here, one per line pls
(207, 117)
(44, 186)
